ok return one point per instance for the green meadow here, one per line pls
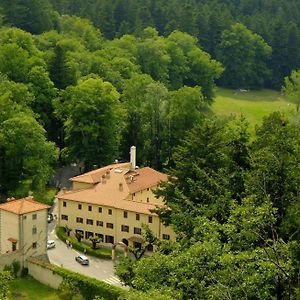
(29, 289)
(253, 105)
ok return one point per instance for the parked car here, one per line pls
(83, 260)
(50, 244)
(50, 218)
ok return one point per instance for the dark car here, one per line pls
(83, 260)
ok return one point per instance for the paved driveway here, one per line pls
(63, 256)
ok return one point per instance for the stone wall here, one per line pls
(8, 258)
(43, 274)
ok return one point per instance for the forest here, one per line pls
(82, 81)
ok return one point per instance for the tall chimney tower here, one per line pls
(133, 157)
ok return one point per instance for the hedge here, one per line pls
(90, 287)
(100, 253)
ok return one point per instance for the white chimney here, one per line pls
(133, 157)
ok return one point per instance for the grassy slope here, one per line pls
(254, 105)
(29, 289)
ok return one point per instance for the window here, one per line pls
(34, 245)
(125, 214)
(137, 217)
(64, 204)
(125, 228)
(109, 225)
(137, 230)
(34, 217)
(13, 246)
(100, 209)
(110, 211)
(34, 231)
(24, 217)
(166, 236)
(147, 189)
(79, 206)
(150, 219)
(64, 217)
(90, 207)
(88, 234)
(100, 223)
(147, 199)
(79, 220)
(89, 221)
(100, 236)
(109, 239)
(133, 194)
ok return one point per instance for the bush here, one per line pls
(88, 287)
(16, 267)
(100, 253)
(13, 268)
(24, 272)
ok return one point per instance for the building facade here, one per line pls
(23, 227)
(113, 202)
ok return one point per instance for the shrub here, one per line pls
(16, 267)
(88, 287)
(24, 272)
(100, 253)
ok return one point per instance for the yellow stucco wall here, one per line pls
(40, 237)
(9, 229)
(145, 196)
(81, 185)
(116, 218)
(20, 227)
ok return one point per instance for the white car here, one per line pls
(83, 260)
(50, 244)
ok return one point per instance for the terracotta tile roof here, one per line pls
(115, 187)
(23, 206)
(141, 179)
(12, 240)
(95, 176)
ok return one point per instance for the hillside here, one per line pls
(254, 105)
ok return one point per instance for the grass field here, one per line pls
(253, 105)
(29, 289)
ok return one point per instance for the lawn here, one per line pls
(29, 289)
(254, 105)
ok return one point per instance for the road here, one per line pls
(63, 256)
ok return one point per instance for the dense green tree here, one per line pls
(34, 16)
(292, 87)
(24, 152)
(92, 118)
(153, 55)
(201, 182)
(14, 62)
(244, 55)
(44, 93)
(133, 98)
(183, 112)
(19, 92)
(60, 71)
(275, 164)
(81, 29)
(153, 120)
